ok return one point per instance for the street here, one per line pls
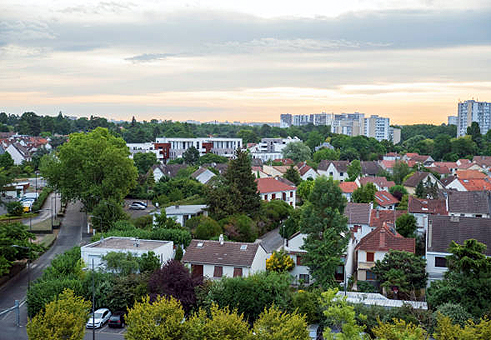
(70, 235)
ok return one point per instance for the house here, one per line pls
(470, 174)
(182, 213)
(216, 259)
(358, 215)
(451, 166)
(388, 165)
(300, 272)
(483, 161)
(415, 158)
(15, 190)
(258, 172)
(92, 253)
(375, 245)
(203, 175)
(275, 170)
(385, 200)
(469, 203)
(338, 170)
(419, 176)
(18, 153)
(469, 184)
(379, 217)
(370, 168)
(381, 183)
(442, 230)
(168, 170)
(391, 156)
(306, 172)
(422, 209)
(348, 188)
(274, 189)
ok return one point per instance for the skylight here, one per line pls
(243, 247)
(199, 245)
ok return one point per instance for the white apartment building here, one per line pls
(271, 148)
(287, 119)
(377, 127)
(452, 120)
(141, 147)
(172, 147)
(473, 111)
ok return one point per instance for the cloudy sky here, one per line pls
(246, 60)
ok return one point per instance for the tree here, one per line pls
(464, 146)
(456, 313)
(399, 329)
(191, 156)
(207, 229)
(420, 190)
(279, 261)
(402, 269)
(406, 225)
(161, 319)
(341, 317)
(121, 263)
(274, 324)
(6, 160)
(304, 189)
(442, 146)
(292, 175)
(91, 167)
(326, 228)
(64, 318)
(354, 170)
(296, 151)
(400, 171)
(398, 191)
(15, 208)
(276, 212)
(174, 280)
(222, 324)
(365, 193)
(248, 136)
(446, 329)
(144, 161)
(475, 132)
(325, 153)
(106, 213)
(212, 158)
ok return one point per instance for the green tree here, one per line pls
(248, 136)
(121, 263)
(402, 269)
(304, 189)
(274, 324)
(191, 156)
(406, 225)
(296, 151)
(326, 228)
(365, 193)
(292, 175)
(442, 146)
(222, 324)
(144, 161)
(400, 171)
(279, 261)
(325, 153)
(207, 229)
(340, 316)
(420, 190)
(15, 208)
(91, 167)
(148, 262)
(63, 318)
(475, 132)
(399, 330)
(464, 146)
(6, 160)
(398, 191)
(315, 139)
(161, 320)
(354, 170)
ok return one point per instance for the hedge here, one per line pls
(38, 204)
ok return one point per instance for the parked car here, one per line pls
(140, 203)
(136, 206)
(116, 320)
(100, 317)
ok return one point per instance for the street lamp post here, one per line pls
(93, 301)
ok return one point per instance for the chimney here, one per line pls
(220, 239)
(376, 213)
(382, 238)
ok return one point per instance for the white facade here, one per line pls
(288, 196)
(16, 155)
(377, 127)
(141, 147)
(300, 272)
(182, 213)
(473, 111)
(436, 265)
(164, 250)
(364, 265)
(220, 146)
(311, 173)
(333, 172)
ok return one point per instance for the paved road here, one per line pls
(69, 236)
(46, 211)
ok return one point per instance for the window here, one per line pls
(273, 196)
(440, 262)
(218, 272)
(370, 257)
(478, 215)
(237, 272)
(341, 174)
(291, 193)
(331, 174)
(371, 276)
(305, 278)
(299, 260)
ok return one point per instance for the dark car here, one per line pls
(116, 320)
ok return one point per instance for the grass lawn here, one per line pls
(42, 226)
(47, 239)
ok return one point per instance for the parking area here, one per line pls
(137, 213)
(106, 330)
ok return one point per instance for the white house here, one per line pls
(306, 172)
(419, 176)
(469, 203)
(442, 230)
(164, 250)
(182, 213)
(141, 147)
(292, 247)
(375, 245)
(216, 259)
(359, 215)
(422, 208)
(273, 189)
(203, 175)
(385, 200)
(338, 170)
(381, 183)
(18, 153)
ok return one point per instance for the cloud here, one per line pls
(102, 7)
(147, 57)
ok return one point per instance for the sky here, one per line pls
(245, 60)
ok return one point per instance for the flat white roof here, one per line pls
(185, 209)
(371, 299)
(126, 243)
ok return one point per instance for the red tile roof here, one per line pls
(385, 198)
(303, 168)
(388, 164)
(427, 206)
(380, 181)
(285, 161)
(469, 174)
(265, 185)
(476, 184)
(380, 216)
(348, 187)
(442, 170)
(386, 238)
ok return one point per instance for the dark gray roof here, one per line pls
(417, 177)
(445, 229)
(370, 168)
(341, 166)
(272, 240)
(471, 202)
(358, 213)
(169, 170)
(227, 254)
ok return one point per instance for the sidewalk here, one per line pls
(46, 210)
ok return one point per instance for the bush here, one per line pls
(207, 229)
(240, 228)
(38, 204)
(15, 208)
(366, 287)
(144, 222)
(456, 313)
(307, 303)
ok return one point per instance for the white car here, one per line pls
(100, 317)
